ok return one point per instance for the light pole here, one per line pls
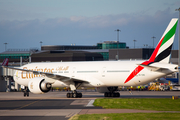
(5, 45)
(118, 34)
(117, 42)
(179, 44)
(41, 43)
(153, 40)
(134, 42)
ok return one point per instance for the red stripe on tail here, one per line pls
(139, 68)
(153, 56)
(5, 62)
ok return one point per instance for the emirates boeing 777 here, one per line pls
(105, 75)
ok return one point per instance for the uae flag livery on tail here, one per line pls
(162, 51)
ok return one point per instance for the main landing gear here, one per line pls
(112, 92)
(74, 94)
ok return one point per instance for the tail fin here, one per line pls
(5, 62)
(162, 51)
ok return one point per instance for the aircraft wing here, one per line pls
(49, 75)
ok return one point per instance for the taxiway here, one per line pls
(55, 105)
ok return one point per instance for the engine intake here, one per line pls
(39, 86)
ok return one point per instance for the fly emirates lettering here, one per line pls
(29, 75)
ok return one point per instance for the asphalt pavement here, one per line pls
(55, 105)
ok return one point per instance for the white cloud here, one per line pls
(84, 30)
(115, 20)
(97, 21)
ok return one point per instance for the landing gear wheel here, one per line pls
(68, 95)
(24, 94)
(113, 94)
(74, 95)
(109, 94)
(117, 94)
(105, 94)
(71, 95)
(27, 94)
(79, 95)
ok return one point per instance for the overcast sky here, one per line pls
(24, 23)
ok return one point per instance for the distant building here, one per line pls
(67, 47)
(14, 56)
(102, 51)
(111, 45)
(138, 54)
(104, 46)
(62, 55)
(125, 54)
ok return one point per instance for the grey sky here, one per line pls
(24, 23)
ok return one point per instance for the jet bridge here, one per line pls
(6, 80)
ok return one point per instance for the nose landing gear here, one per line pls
(26, 92)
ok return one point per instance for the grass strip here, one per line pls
(128, 116)
(157, 104)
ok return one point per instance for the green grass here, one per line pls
(164, 104)
(129, 116)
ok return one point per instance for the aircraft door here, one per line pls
(103, 71)
(73, 72)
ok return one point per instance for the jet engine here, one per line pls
(39, 86)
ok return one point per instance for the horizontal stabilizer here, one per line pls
(160, 66)
(151, 68)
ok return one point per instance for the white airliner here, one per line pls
(105, 75)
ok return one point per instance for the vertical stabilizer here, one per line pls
(162, 51)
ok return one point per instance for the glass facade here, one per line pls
(14, 56)
(109, 45)
(105, 55)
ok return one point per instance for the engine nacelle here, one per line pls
(39, 86)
